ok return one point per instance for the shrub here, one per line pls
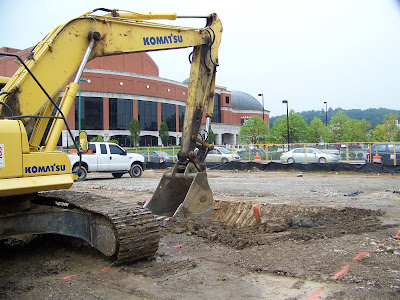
(352, 155)
(113, 141)
(360, 155)
(98, 138)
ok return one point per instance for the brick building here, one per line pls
(127, 86)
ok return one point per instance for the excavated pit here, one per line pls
(236, 223)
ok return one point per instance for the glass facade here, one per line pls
(216, 118)
(148, 141)
(168, 115)
(91, 113)
(147, 115)
(123, 140)
(121, 113)
(182, 110)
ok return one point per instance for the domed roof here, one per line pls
(242, 100)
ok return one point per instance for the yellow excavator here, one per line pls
(32, 118)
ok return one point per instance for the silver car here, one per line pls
(221, 154)
(314, 155)
(157, 157)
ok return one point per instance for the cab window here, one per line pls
(381, 147)
(92, 147)
(114, 149)
(103, 149)
(390, 148)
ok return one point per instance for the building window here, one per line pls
(121, 113)
(227, 99)
(91, 113)
(148, 141)
(216, 118)
(181, 117)
(168, 115)
(244, 119)
(147, 115)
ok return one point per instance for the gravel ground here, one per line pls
(350, 249)
(321, 189)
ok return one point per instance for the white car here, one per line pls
(221, 154)
(314, 155)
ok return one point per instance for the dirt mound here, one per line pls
(235, 224)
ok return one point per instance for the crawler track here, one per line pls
(136, 230)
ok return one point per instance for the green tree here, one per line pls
(297, 129)
(356, 130)
(337, 127)
(134, 129)
(316, 131)
(254, 131)
(211, 137)
(98, 138)
(388, 131)
(164, 133)
(113, 141)
(278, 131)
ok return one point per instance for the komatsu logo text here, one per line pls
(161, 40)
(44, 169)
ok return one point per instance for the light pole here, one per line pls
(326, 113)
(79, 103)
(262, 95)
(287, 119)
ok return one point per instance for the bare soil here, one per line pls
(319, 236)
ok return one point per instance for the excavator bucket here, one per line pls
(183, 195)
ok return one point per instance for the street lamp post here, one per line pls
(287, 119)
(262, 95)
(326, 113)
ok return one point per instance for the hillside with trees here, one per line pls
(340, 128)
(373, 116)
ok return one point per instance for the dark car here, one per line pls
(386, 152)
(157, 157)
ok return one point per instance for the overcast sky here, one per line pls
(345, 52)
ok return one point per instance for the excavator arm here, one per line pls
(65, 51)
(29, 131)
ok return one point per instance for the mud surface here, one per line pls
(319, 236)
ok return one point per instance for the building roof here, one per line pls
(242, 100)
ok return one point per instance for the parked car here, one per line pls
(221, 154)
(314, 155)
(157, 157)
(107, 158)
(386, 152)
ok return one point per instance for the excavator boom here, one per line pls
(32, 118)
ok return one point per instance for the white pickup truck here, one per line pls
(107, 158)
